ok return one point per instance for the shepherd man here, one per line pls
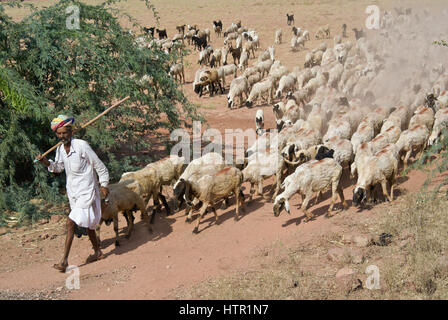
(80, 163)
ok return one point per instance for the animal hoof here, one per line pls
(188, 220)
(117, 244)
(195, 231)
(150, 230)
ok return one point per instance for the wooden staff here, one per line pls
(87, 124)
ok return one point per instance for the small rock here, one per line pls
(357, 257)
(335, 254)
(59, 289)
(344, 272)
(442, 263)
(167, 256)
(403, 243)
(53, 237)
(347, 280)
(361, 241)
(133, 267)
(3, 231)
(168, 267)
(42, 221)
(46, 236)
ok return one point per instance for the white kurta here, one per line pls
(82, 183)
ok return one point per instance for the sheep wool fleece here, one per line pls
(82, 183)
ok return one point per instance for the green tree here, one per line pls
(47, 69)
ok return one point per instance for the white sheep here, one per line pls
(339, 128)
(248, 46)
(364, 133)
(422, 116)
(440, 124)
(362, 152)
(335, 74)
(216, 58)
(311, 177)
(263, 143)
(264, 56)
(303, 77)
(177, 70)
(277, 71)
(413, 139)
(262, 165)
(287, 82)
(254, 78)
(316, 118)
(376, 118)
(271, 50)
(244, 58)
(391, 121)
(258, 89)
(209, 163)
(250, 70)
(379, 168)
(306, 35)
(343, 151)
(224, 55)
(226, 70)
(278, 36)
(238, 87)
(308, 60)
(264, 67)
(204, 57)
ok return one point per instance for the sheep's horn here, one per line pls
(292, 162)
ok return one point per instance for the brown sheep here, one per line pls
(211, 188)
(209, 78)
(121, 199)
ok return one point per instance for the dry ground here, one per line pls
(267, 257)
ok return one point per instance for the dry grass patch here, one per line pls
(413, 266)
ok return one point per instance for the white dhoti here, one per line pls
(87, 217)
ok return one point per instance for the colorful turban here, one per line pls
(62, 121)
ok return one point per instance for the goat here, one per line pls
(290, 19)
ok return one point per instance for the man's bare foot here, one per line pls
(60, 266)
(96, 256)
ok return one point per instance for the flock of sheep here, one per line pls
(359, 108)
